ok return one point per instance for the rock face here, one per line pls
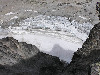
(86, 56)
(20, 58)
(12, 51)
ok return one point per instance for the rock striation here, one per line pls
(86, 56)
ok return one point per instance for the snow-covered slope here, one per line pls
(53, 35)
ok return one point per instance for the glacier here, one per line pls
(54, 35)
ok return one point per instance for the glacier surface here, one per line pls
(54, 35)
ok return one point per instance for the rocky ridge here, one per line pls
(20, 58)
(87, 56)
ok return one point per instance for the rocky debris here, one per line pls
(87, 55)
(29, 8)
(13, 22)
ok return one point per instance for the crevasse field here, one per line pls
(54, 35)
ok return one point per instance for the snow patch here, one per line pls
(15, 17)
(35, 11)
(10, 13)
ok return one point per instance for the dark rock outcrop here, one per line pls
(20, 58)
(87, 55)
